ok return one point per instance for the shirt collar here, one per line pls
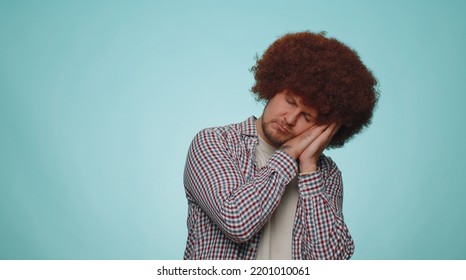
(248, 127)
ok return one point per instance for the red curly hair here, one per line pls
(326, 74)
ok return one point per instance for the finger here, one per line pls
(318, 145)
(334, 127)
(326, 136)
(306, 138)
(313, 133)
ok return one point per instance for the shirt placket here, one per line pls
(251, 144)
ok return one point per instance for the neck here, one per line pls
(259, 127)
(261, 133)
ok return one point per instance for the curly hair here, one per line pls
(326, 74)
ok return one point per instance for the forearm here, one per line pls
(322, 214)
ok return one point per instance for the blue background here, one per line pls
(99, 101)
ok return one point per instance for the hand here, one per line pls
(308, 146)
(309, 157)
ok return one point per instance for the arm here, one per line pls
(321, 195)
(215, 180)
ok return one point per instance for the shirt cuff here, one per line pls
(284, 164)
(311, 183)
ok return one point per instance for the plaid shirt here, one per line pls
(230, 199)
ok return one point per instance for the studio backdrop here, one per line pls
(99, 101)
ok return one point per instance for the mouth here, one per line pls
(282, 128)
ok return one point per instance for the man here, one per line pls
(262, 189)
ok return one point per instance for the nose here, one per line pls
(291, 117)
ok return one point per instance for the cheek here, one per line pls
(302, 126)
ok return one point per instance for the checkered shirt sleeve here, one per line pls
(325, 234)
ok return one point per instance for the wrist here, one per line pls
(289, 150)
(307, 167)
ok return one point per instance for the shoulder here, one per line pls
(219, 132)
(327, 165)
(224, 136)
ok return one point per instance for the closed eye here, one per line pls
(307, 117)
(290, 101)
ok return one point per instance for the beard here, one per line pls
(275, 137)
